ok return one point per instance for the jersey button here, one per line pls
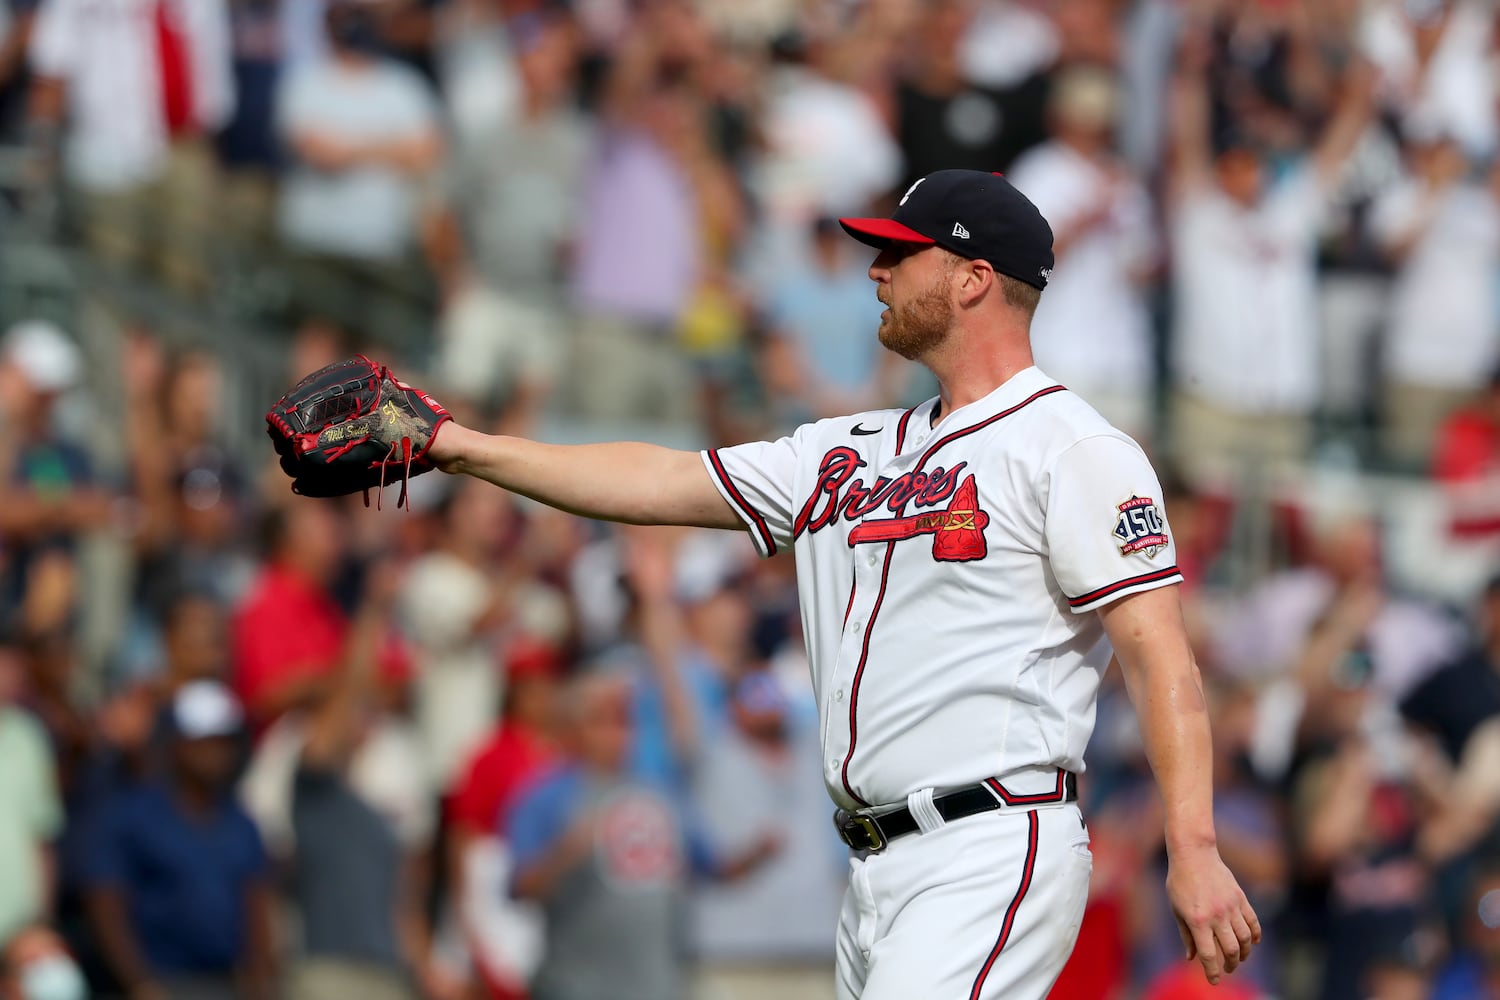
(873, 559)
(838, 695)
(833, 764)
(856, 627)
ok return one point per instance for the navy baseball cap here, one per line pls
(974, 214)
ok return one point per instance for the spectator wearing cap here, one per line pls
(138, 85)
(51, 496)
(503, 935)
(1246, 348)
(1440, 227)
(30, 808)
(821, 358)
(176, 881)
(1092, 330)
(35, 965)
(1466, 463)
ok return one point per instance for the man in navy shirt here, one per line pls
(176, 880)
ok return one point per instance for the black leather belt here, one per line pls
(869, 832)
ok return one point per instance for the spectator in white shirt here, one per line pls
(1246, 338)
(1435, 62)
(362, 130)
(827, 149)
(139, 84)
(499, 241)
(1093, 332)
(1441, 227)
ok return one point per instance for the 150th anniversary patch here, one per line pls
(1140, 526)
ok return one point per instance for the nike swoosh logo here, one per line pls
(861, 430)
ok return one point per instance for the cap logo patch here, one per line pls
(909, 190)
(1046, 274)
(1140, 526)
(960, 231)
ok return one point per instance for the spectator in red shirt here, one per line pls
(289, 634)
(1467, 463)
(288, 637)
(519, 747)
(502, 935)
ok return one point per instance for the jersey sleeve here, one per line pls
(757, 480)
(1106, 534)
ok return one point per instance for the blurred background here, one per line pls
(254, 746)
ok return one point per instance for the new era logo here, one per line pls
(960, 231)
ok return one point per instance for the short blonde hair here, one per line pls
(1018, 294)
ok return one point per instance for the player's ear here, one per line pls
(973, 279)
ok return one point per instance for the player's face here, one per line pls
(914, 283)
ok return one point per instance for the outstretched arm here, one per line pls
(622, 481)
(1351, 117)
(1150, 640)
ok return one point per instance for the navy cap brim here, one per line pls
(879, 233)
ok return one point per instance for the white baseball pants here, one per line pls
(983, 907)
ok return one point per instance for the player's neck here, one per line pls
(968, 368)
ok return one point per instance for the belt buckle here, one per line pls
(858, 831)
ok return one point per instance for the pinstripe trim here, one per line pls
(1010, 912)
(1094, 595)
(761, 528)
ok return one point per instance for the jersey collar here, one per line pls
(1011, 392)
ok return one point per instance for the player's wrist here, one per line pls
(1194, 841)
(449, 448)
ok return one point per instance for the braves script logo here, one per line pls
(1140, 527)
(958, 529)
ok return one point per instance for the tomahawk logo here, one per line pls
(960, 231)
(957, 532)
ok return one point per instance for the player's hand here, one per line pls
(1217, 923)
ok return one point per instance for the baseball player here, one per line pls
(959, 564)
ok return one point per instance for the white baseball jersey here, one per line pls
(947, 574)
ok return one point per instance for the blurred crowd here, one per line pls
(482, 749)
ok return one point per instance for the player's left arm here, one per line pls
(1150, 640)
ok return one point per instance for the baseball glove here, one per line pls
(353, 425)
